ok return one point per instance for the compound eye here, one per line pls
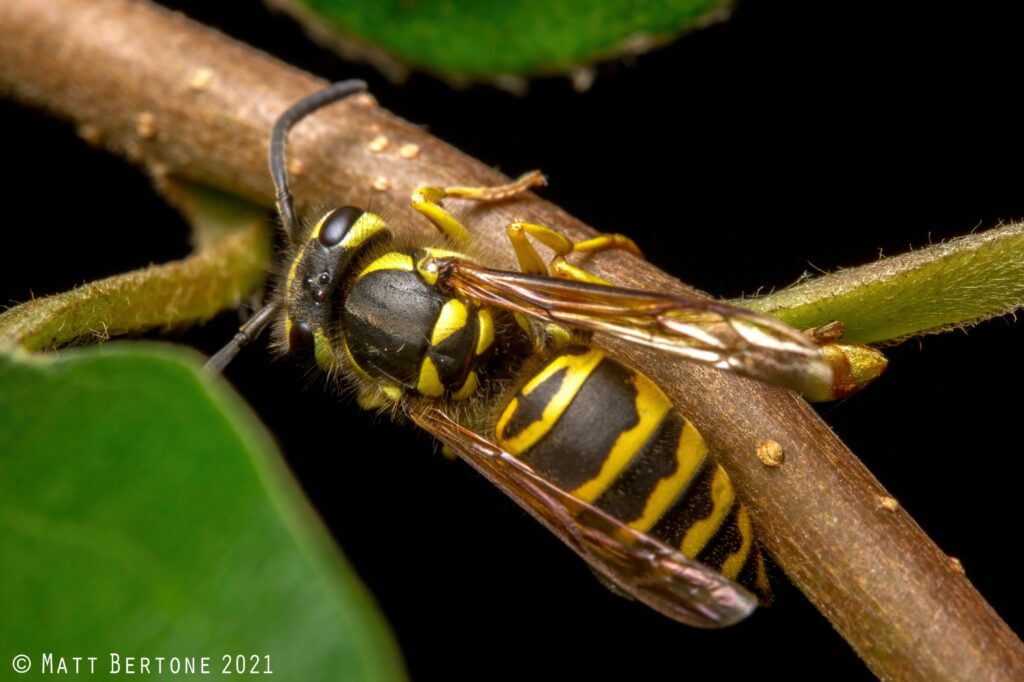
(300, 337)
(337, 224)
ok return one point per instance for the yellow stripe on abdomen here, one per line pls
(690, 454)
(734, 563)
(722, 498)
(518, 430)
(651, 407)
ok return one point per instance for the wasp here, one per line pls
(499, 366)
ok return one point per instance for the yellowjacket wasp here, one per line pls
(497, 365)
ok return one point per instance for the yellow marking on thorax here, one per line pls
(651, 407)
(733, 564)
(485, 333)
(691, 452)
(429, 383)
(701, 532)
(392, 260)
(446, 253)
(578, 369)
(452, 318)
(468, 387)
(429, 276)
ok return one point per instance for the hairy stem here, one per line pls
(953, 284)
(183, 292)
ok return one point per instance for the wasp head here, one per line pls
(318, 272)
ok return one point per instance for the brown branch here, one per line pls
(181, 98)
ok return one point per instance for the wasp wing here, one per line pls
(641, 566)
(715, 334)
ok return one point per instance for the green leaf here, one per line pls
(231, 260)
(941, 287)
(144, 511)
(468, 39)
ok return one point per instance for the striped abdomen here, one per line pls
(608, 434)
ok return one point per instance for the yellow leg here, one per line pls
(531, 263)
(607, 242)
(427, 200)
(563, 269)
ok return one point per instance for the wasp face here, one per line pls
(319, 269)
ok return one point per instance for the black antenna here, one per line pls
(249, 331)
(279, 138)
(285, 206)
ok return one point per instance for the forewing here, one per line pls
(715, 334)
(643, 567)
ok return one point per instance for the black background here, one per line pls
(796, 136)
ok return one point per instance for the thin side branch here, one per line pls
(188, 291)
(177, 97)
(944, 286)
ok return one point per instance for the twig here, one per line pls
(180, 98)
(955, 284)
(230, 262)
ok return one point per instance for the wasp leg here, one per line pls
(563, 269)
(373, 400)
(607, 242)
(377, 395)
(427, 200)
(530, 261)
